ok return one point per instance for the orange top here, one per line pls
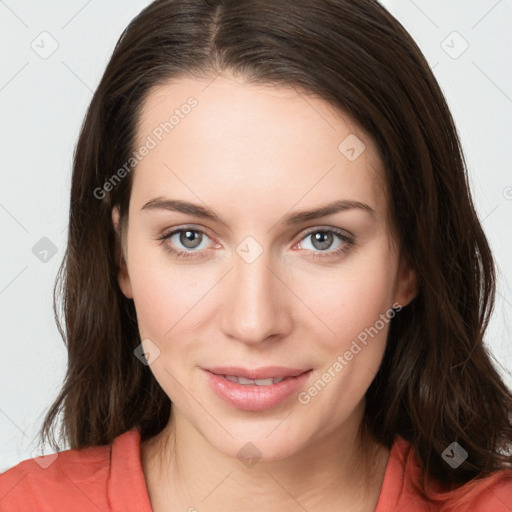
(110, 478)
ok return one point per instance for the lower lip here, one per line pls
(255, 398)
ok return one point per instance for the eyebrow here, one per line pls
(290, 219)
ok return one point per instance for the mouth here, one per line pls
(263, 373)
(256, 390)
(254, 382)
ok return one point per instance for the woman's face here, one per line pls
(259, 287)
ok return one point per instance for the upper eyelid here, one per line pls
(173, 231)
(314, 229)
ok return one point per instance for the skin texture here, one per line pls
(253, 154)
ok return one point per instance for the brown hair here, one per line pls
(436, 384)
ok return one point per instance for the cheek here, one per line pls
(356, 305)
(163, 292)
(353, 298)
(165, 299)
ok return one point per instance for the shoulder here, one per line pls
(56, 481)
(401, 488)
(493, 492)
(67, 480)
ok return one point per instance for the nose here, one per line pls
(257, 302)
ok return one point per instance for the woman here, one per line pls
(276, 286)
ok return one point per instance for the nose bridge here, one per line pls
(253, 308)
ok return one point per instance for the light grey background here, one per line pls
(44, 96)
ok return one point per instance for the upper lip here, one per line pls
(264, 372)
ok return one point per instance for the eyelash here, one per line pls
(347, 243)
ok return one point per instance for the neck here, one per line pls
(342, 470)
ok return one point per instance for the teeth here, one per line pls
(264, 382)
(254, 382)
(243, 380)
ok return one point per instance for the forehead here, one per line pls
(227, 138)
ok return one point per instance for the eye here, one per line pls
(323, 239)
(190, 239)
(192, 243)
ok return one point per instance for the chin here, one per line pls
(262, 444)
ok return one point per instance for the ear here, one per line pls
(123, 277)
(406, 287)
